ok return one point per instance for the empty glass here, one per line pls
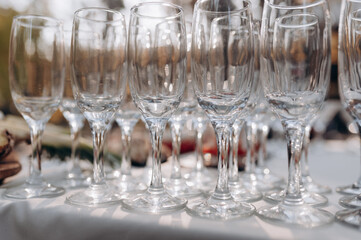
(36, 75)
(295, 53)
(99, 65)
(71, 112)
(157, 71)
(222, 64)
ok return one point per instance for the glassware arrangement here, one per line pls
(36, 76)
(295, 53)
(222, 63)
(349, 83)
(99, 64)
(157, 71)
(71, 112)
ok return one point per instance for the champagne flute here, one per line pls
(295, 50)
(157, 67)
(36, 75)
(99, 65)
(222, 63)
(71, 112)
(351, 88)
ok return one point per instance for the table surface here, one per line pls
(333, 163)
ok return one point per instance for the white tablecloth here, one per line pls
(331, 163)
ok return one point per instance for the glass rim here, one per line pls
(115, 12)
(20, 19)
(295, 7)
(247, 8)
(353, 18)
(313, 22)
(172, 5)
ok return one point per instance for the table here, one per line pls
(333, 162)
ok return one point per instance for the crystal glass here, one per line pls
(222, 63)
(350, 86)
(295, 53)
(345, 78)
(308, 182)
(99, 66)
(157, 67)
(176, 184)
(71, 112)
(126, 118)
(36, 75)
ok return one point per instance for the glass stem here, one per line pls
(126, 164)
(358, 183)
(251, 147)
(36, 133)
(156, 131)
(199, 147)
(98, 145)
(233, 155)
(223, 132)
(176, 144)
(304, 162)
(75, 166)
(294, 136)
(262, 152)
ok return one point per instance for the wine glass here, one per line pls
(344, 75)
(126, 118)
(222, 64)
(157, 67)
(99, 66)
(351, 86)
(295, 53)
(71, 112)
(36, 75)
(309, 184)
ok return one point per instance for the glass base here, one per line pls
(302, 216)
(243, 193)
(95, 196)
(312, 199)
(351, 201)
(179, 188)
(265, 175)
(73, 183)
(350, 217)
(153, 202)
(112, 174)
(220, 209)
(250, 179)
(128, 184)
(203, 180)
(26, 190)
(353, 189)
(313, 187)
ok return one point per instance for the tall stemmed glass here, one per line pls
(344, 76)
(36, 74)
(351, 91)
(157, 67)
(126, 118)
(222, 63)
(71, 112)
(99, 67)
(307, 180)
(295, 50)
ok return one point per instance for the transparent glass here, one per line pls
(71, 112)
(157, 71)
(295, 53)
(222, 63)
(126, 118)
(309, 184)
(36, 43)
(350, 87)
(99, 66)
